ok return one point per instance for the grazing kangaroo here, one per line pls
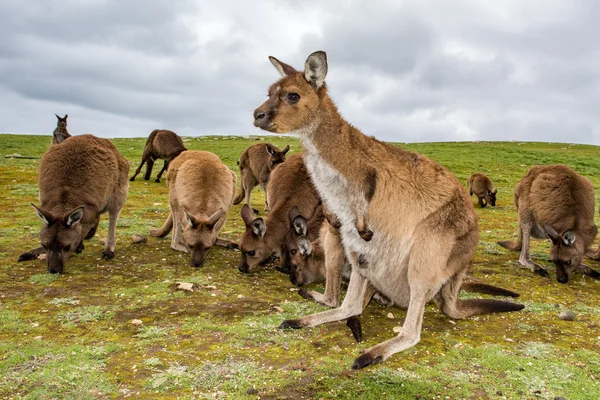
(481, 186)
(201, 191)
(419, 250)
(60, 133)
(160, 144)
(79, 180)
(289, 186)
(556, 202)
(256, 164)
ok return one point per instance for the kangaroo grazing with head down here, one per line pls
(163, 144)
(419, 250)
(481, 186)
(256, 164)
(60, 133)
(289, 186)
(201, 191)
(79, 180)
(555, 202)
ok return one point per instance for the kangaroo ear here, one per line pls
(190, 219)
(494, 191)
(74, 217)
(551, 233)
(568, 237)
(45, 216)
(305, 246)
(213, 219)
(57, 116)
(315, 69)
(285, 149)
(258, 227)
(247, 215)
(300, 226)
(283, 69)
(270, 150)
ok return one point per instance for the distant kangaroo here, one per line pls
(555, 202)
(256, 164)
(419, 250)
(289, 186)
(79, 180)
(481, 186)
(60, 133)
(201, 191)
(160, 144)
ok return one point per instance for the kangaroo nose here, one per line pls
(562, 279)
(259, 114)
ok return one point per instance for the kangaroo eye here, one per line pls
(293, 252)
(568, 262)
(293, 97)
(251, 253)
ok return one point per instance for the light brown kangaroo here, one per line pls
(481, 186)
(60, 133)
(79, 180)
(419, 250)
(289, 186)
(256, 164)
(163, 144)
(556, 202)
(201, 191)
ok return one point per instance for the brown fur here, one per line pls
(79, 180)
(256, 164)
(481, 186)
(420, 250)
(556, 202)
(201, 191)
(289, 186)
(60, 133)
(163, 144)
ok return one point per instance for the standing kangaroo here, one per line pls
(160, 144)
(201, 191)
(556, 202)
(481, 186)
(289, 186)
(79, 180)
(256, 164)
(60, 133)
(418, 250)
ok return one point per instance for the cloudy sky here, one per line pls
(406, 71)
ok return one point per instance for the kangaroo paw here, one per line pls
(107, 254)
(291, 324)
(365, 360)
(79, 248)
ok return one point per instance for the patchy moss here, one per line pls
(71, 336)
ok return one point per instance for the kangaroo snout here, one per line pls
(260, 118)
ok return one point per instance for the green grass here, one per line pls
(71, 336)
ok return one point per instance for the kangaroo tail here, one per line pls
(484, 288)
(510, 245)
(470, 307)
(165, 229)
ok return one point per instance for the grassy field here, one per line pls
(71, 336)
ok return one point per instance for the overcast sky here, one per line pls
(402, 71)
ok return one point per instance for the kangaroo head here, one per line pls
(200, 234)
(295, 100)
(566, 252)
(254, 246)
(62, 122)
(490, 197)
(277, 157)
(60, 235)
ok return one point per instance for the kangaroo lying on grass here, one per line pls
(82, 178)
(481, 186)
(60, 133)
(256, 164)
(201, 191)
(160, 144)
(289, 186)
(555, 202)
(419, 250)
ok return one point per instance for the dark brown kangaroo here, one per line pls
(160, 144)
(418, 250)
(481, 186)
(256, 164)
(60, 133)
(289, 186)
(79, 180)
(555, 202)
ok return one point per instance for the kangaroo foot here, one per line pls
(365, 360)
(291, 324)
(31, 254)
(107, 254)
(355, 327)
